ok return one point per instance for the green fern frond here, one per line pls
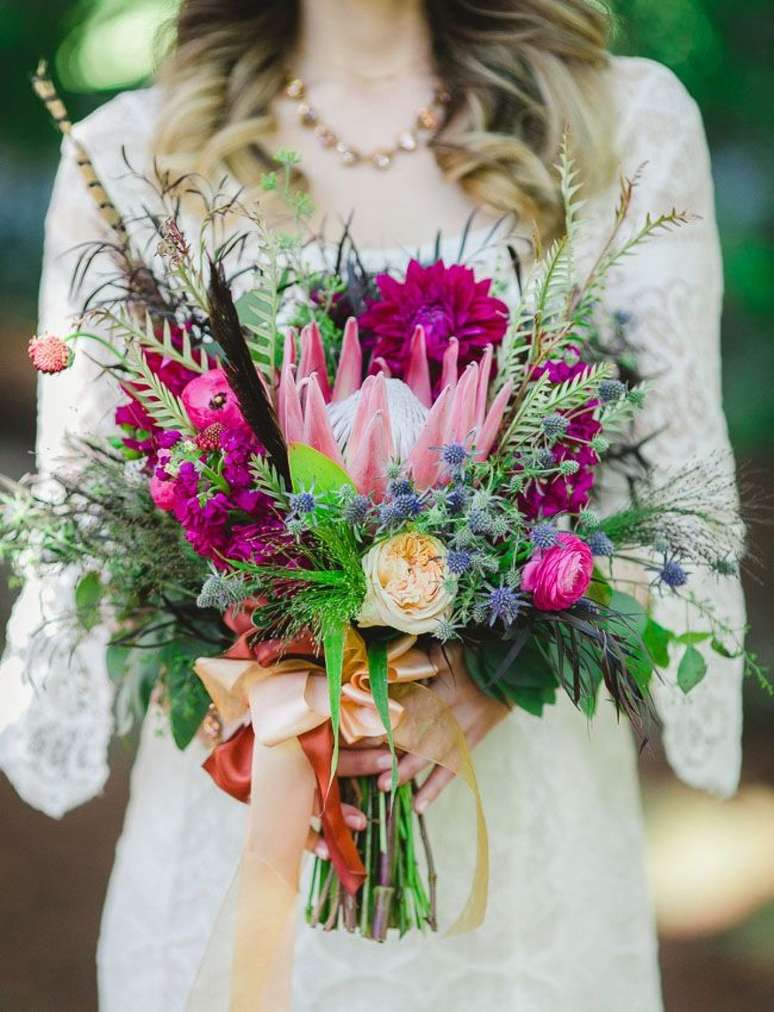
(162, 405)
(165, 347)
(259, 308)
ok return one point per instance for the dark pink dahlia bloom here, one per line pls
(446, 301)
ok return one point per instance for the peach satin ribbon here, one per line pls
(290, 715)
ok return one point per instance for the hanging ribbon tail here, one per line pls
(430, 730)
(230, 763)
(318, 748)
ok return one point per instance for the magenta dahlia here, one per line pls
(446, 301)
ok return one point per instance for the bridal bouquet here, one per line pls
(322, 481)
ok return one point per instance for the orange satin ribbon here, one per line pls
(287, 701)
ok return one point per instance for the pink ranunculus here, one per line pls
(209, 399)
(558, 577)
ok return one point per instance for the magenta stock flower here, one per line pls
(566, 493)
(558, 577)
(447, 302)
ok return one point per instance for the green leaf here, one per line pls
(117, 661)
(689, 639)
(188, 699)
(691, 670)
(310, 469)
(599, 590)
(630, 629)
(528, 681)
(334, 637)
(723, 651)
(88, 593)
(657, 639)
(377, 674)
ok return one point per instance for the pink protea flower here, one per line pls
(560, 576)
(447, 302)
(49, 354)
(209, 400)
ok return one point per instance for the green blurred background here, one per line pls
(712, 864)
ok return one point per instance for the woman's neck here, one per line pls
(366, 39)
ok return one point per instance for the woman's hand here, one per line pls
(476, 714)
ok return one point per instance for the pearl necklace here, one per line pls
(428, 119)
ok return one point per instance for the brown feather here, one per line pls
(254, 399)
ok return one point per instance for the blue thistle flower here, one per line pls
(219, 592)
(600, 544)
(555, 426)
(454, 455)
(302, 502)
(545, 459)
(387, 514)
(611, 390)
(672, 574)
(407, 506)
(543, 535)
(456, 499)
(458, 562)
(503, 603)
(479, 521)
(569, 467)
(399, 487)
(356, 509)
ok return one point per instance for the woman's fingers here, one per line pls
(408, 767)
(353, 817)
(431, 788)
(363, 762)
(316, 845)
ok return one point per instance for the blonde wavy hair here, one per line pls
(520, 73)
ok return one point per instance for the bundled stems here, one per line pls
(394, 894)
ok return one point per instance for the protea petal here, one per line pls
(350, 371)
(368, 467)
(449, 363)
(313, 358)
(484, 373)
(425, 459)
(289, 411)
(373, 399)
(289, 348)
(418, 368)
(492, 422)
(317, 428)
(463, 411)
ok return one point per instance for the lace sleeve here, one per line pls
(55, 703)
(672, 292)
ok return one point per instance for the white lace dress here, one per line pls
(569, 926)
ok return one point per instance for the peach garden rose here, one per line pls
(407, 584)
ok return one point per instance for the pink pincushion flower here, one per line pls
(209, 400)
(560, 576)
(49, 354)
(447, 302)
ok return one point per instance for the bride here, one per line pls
(408, 116)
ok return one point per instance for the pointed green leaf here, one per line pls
(377, 673)
(657, 640)
(691, 670)
(88, 592)
(690, 639)
(333, 644)
(310, 469)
